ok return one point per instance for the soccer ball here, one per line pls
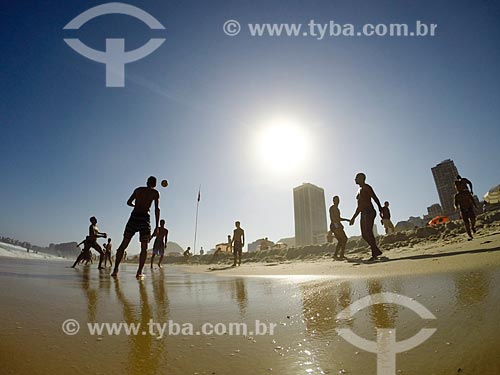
(164, 183)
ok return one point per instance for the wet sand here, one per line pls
(37, 296)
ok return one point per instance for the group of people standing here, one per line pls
(140, 221)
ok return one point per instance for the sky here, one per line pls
(198, 110)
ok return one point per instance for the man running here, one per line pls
(91, 243)
(337, 229)
(385, 214)
(368, 214)
(107, 253)
(140, 221)
(160, 243)
(466, 204)
(237, 243)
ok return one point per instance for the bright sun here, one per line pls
(282, 146)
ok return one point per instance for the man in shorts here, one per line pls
(237, 243)
(160, 243)
(385, 214)
(107, 253)
(140, 221)
(337, 229)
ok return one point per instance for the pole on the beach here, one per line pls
(196, 220)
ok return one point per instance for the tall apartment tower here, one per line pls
(445, 174)
(310, 215)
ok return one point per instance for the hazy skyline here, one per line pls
(199, 109)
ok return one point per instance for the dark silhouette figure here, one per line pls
(368, 213)
(466, 204)
(385, 214)
(337, 229)
(160, 243)
(90, 242)
(237, 243)
(107, 253)
(140, 221)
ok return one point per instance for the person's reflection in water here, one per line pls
(239, 293)
(160, 294)
(382, 315)
(90, 294)
(145, 350)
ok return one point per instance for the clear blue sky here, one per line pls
(190, 112)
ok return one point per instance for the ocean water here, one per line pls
(38, 296)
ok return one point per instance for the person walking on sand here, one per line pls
(237, 243)
(160, 243)
(140, 221)
(91, 243)
(466, 204)
(337, 229)
(368, 214)
(385, 214)
(107, 253)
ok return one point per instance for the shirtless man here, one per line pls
(160, 244)
(91, 243)
(107, 253)
(229, 244)
(237, 243)
(462, 183)
(368, 214)
(466, 204)
(337, 229)
(140, 221)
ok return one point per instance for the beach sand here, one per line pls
(459, 283)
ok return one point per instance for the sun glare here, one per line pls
(282, 146)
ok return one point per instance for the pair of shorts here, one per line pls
(237, 247)
(138, 222)
(159, 248)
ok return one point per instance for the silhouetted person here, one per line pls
(337, 229)
(229, 243)
(187, 253)
(140, 221)
(107, 253)
(385, 214)
(160, 243)
(91, 243)
(368, 213)
(202, 252)
(466, 204)
(237, 243)
(462, 183)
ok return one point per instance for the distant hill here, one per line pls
(174, 247)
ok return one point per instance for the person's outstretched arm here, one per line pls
(353, 219)
(243, 239)
(131, 200)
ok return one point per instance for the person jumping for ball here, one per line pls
(237, 243)
(160, 244)
(368, 214)
(140, 221)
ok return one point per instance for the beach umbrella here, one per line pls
(493, 195)
(438, 220)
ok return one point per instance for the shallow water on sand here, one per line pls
(38, 296)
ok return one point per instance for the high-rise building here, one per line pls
(310, 215)
(434, 210)
(445, 174)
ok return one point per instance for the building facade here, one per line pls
(445, 174)
(310, 215)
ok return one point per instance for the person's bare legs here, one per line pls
(98, 248)
(159, 262)
(78, 260)
(366, 222)
(152, 259)
(119, 254)
(467, 227)
(142, 258)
